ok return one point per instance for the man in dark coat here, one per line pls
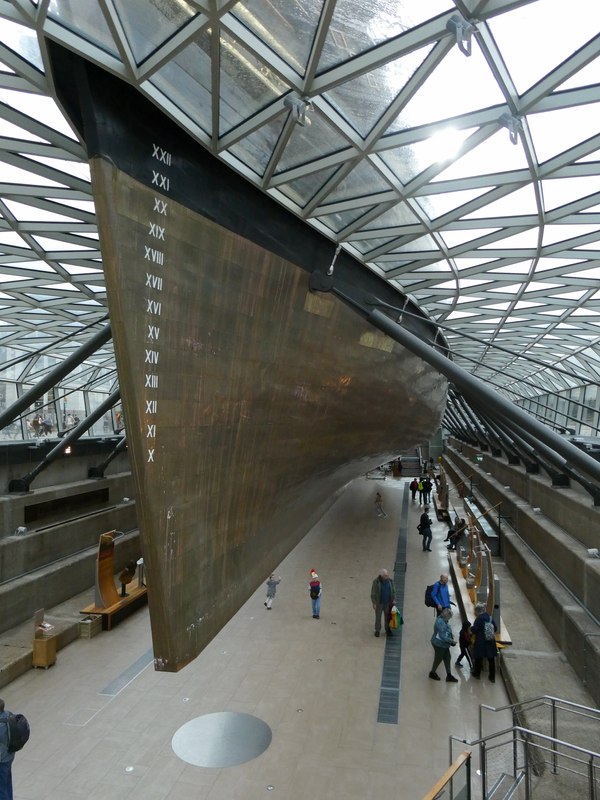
(425, 529)
(484, 629)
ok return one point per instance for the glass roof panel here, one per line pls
(12, 174)
(437, 205)
(148, 25)
(587, 76)
(399, 215)
(12, 131)
(28, 213)
(385, 58)
(407, 162)
(186, 80)
(51, 245)
(286, 28)
(304, 189)
(528, 239)
(22, 41)
(562, 233)
(555, 131)
(247, 85)
(515, 34)
(342, 219)
(362, 181)
(363, 100)
(560, 191)
(417, 245)
(310, 142)
(255, 150)
(495, 154)
(38, 108)
(84, 17)
(454, 238)
(444, 94)
(521, 201)
(370, 245)
(357, 26)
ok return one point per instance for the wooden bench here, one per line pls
(113, 614)
(442, 514)
(463, 600)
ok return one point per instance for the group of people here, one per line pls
(383, 596)
(314, 592)
(476, 641)
(40, 426)
(422, 487)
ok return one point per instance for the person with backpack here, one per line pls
(6, 755)
(383, 595)
(484, 629)
(420, 489)
(314, 590)
(413, 486)
(440, 594)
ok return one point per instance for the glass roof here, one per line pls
(458, 157)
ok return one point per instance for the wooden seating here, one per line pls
(442, 514)
(490, 537)
(465, 603)
(111, 605)
(113, 614)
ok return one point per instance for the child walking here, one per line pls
(464, 641)
(271, 589)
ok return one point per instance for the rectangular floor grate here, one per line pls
(389, 692)
(121, 681)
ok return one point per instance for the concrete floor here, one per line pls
(102, 720)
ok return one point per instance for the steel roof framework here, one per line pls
(497, 238)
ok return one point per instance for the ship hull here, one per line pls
(248, 400)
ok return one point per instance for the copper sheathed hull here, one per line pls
(249, 402)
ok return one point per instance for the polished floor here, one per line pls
(103, 721)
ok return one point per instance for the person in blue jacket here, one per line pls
(440, 593)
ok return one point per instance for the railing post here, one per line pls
(554, 735)
(592, 781)
(482, 767)
(527, 771)
(468, 767)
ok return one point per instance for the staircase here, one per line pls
(411, 465)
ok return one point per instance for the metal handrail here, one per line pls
(529, 732)
(543, 700)
(589, 757)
